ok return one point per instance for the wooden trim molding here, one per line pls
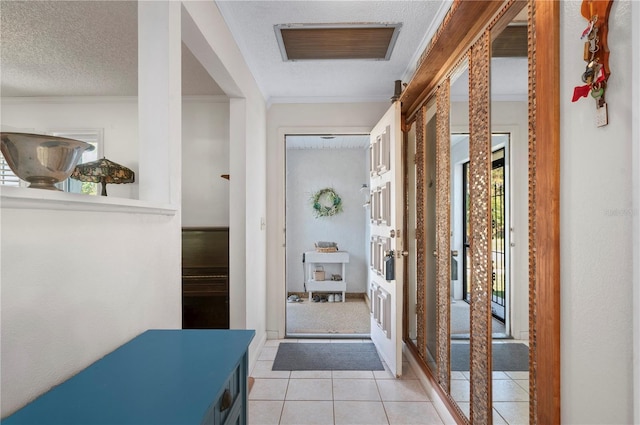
(533, 370)
(545, 211)
(461, 26)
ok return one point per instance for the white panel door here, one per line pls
(387, 240)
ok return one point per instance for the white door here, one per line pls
(386, 224)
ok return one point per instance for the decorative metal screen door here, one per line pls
(499, 219)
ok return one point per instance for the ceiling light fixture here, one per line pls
(368, 41)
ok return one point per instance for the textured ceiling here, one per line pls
(252, 24)
(89, 48)
(78, 48)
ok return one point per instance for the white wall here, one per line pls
(40, 308)
(344, 118)
(596, 228)
(205, 156)
(256, 242)
(76, 285)
(205, 143)
(134, 283)
(209, 39)
(118, 117)
(81, 275)
(635, 148)
(308, 171)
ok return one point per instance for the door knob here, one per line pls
(400, 254)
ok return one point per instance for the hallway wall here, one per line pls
(207, 36)
(596, 228)
(205, 156)
(310, 170)
(635, 158)
(77, 284)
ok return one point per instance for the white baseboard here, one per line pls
(434, 396)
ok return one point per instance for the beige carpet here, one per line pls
(351, 317)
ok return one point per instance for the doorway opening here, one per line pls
(500, 232)
(326, 229)
(499, 253)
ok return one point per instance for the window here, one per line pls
(7, 178)
(94, 138)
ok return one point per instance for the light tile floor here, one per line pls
(510, 396)
(336, 397)
(368, 397)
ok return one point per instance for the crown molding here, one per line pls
(328, 99)
(106, 99)
(69, 99)
(433, 27)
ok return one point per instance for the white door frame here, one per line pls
(279, 269)
(635, 149)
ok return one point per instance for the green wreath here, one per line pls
(326, 203)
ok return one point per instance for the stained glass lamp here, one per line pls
(103, 171)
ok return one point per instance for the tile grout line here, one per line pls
(333, 381)
(333, 399)
(384, 408)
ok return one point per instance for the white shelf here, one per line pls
(326, 286)
(40, 199)
(326, 257)
(315, 259)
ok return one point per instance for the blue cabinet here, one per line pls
(159, 377)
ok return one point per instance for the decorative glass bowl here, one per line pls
(42, 160)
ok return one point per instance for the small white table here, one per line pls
(312, 259)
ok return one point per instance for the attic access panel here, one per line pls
(336, 41)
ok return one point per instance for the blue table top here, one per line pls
(160, 377)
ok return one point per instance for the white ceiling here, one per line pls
(89, 48)
(252, 24)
